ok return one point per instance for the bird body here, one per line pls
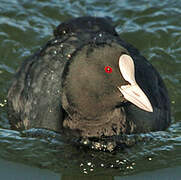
(89, 82)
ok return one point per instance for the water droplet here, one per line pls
(55, 52)
(85, 142)
(85, 171)
(121, 162)
(2, 105)
(100, 35)
(29, 83)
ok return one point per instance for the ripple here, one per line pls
(152, 26)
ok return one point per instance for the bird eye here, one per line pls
(108, 69)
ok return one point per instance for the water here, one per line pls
(154, 27)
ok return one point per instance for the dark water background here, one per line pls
(154, 27)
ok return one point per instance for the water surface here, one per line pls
(154, 27)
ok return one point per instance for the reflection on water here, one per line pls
(51, 152)
(152, 26)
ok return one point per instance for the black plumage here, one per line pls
(64, 86)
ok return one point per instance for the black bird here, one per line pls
(89, 82)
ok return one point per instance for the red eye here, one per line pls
(108, 69)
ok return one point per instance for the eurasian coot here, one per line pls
(88, 81)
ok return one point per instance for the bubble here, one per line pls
(85, 171)
(69, 55)
(29, 83)
(2, 105)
